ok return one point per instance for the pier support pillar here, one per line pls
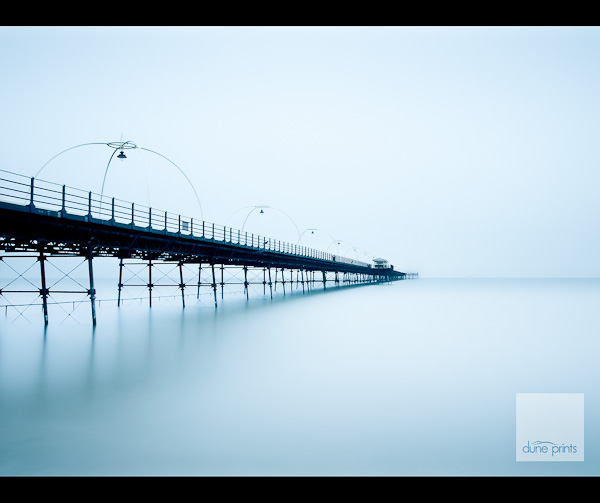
(222, 281)
(270, 284)
(44, 291)
(214, 283)
(181, 283)
(199, 274)
(92, 289)
(120, 281)
(150, 285)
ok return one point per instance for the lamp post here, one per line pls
(337, 243)
(354, 249)
(312, 231)
(262, 209)
(365, 253)
(121, 147)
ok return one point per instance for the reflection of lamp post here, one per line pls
(122, 146)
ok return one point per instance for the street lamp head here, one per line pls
(122, 156)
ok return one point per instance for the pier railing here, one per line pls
(66, 201)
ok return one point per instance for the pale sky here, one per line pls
(452, 152)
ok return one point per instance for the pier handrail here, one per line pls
(38, 194)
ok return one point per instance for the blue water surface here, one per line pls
(411, 378)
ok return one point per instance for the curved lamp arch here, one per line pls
(337, 243)
(236, 211)
(126, 145)
(354, 249)
(369, 256)
(184, 175)
(313, 231)
(261, 207)
(66, 150)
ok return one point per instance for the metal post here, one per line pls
(222, 282)
(31, 205)
(120, 281)
(63, 210)
(270, 284)
(283, 280)
(214, 283)
(246, 281)
(92, 291)
(150, 282)
(324, 280)
(44, 291)
(181, 283)
(199, 274)
(90, 205)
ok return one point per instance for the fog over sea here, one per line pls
(415, 377)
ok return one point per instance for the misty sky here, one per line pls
(452, 152)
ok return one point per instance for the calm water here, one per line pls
(414, 378)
